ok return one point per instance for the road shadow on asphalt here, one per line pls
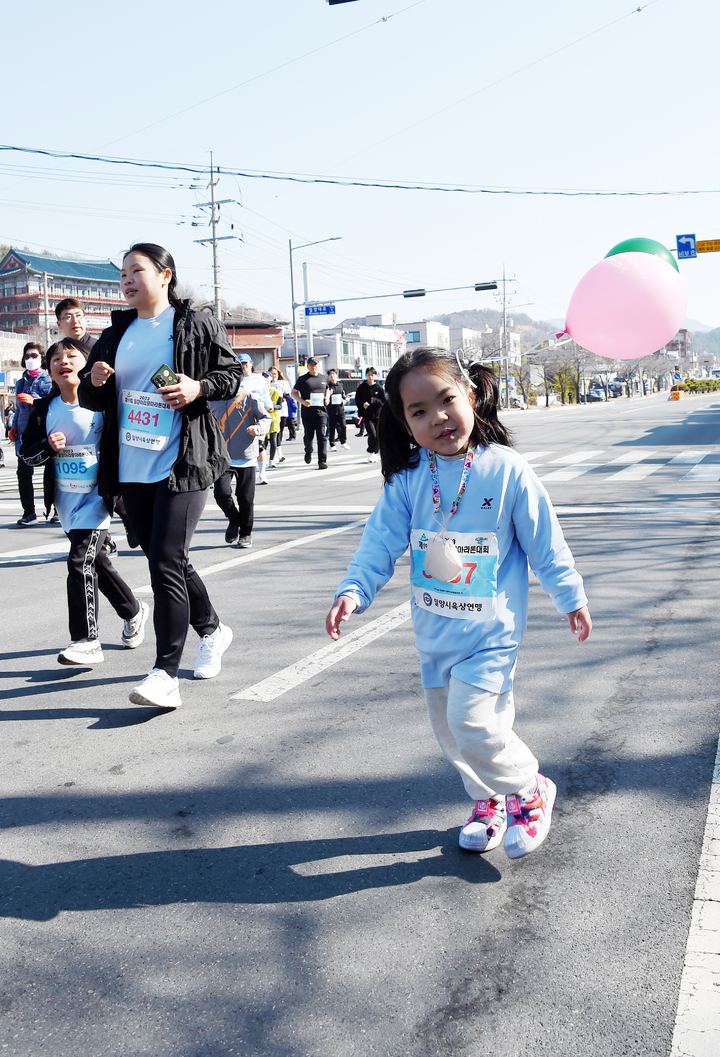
(260, 874)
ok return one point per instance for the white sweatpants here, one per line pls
(474, 730)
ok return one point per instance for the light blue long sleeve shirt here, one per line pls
(504, 504)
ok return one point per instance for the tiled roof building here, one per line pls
(95, 283)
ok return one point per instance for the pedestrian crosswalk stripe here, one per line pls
(578, 456)
(686, 458)
(708, 472)
(569, 473)
(636, 472)
(631, 457)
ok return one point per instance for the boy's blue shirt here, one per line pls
(504, 497)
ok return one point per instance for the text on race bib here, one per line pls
(76, 469)
(473, 594)
(146, 420)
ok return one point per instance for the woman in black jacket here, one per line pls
(161, 449)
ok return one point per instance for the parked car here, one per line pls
(518, 402)
(351, 411)
(596, 394)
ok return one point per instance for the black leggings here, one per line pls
(89, 568)
(164, 523)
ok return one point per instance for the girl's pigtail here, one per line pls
(488, 427)
(398, 450)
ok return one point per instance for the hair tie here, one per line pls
(464, 372)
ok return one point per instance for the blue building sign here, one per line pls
(320, 310)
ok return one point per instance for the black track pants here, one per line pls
(90, 569)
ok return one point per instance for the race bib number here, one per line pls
(317, 400)
(473, 594)
(336, 398)
(76, 469)
(146, 420)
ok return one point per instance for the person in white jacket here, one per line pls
(474, 515)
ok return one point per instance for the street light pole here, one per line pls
(295, 304)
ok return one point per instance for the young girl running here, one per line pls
(474, 514)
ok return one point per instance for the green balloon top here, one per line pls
(640, 245)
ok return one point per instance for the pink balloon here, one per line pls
(629, 305)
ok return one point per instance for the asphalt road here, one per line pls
(281, 877)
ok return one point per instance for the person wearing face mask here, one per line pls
(34, 384)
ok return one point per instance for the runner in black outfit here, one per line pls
(312, 391)
(370, 398)
(336, 411)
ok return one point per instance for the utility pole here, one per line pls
(47, 310)
(308, 324)
(214, 206)
(505, 350)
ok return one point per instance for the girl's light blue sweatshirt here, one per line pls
(504, 503)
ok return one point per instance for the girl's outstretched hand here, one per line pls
(580, 623)
(341, 611)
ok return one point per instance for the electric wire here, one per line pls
(254, 174)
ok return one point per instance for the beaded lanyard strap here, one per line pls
(467, 466)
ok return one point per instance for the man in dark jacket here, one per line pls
(72, 321)
(370, 398)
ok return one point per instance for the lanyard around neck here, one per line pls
(467, 466)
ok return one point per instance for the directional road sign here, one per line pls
(685, 247)
(320, 310)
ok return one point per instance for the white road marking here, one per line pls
(256, 555)
(687, 458)
(635, 473)
(570, 472)
(578, 456)
(708, 472)
(530, 456)
(357, 476)
(697, 1022)
(271, 509)
(284, 680)
(631, 457)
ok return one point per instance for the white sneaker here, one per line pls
(82, 651)
(210, 650)
(332, 447)
(370, 458)
(134, 630)
(345, 447)
(158, 690)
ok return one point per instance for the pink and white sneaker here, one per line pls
(530, 812)
(484, 830)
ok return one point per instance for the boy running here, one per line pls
(62, 431)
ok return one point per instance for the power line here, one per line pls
(386, 185)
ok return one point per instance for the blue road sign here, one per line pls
(2, 380)
(320, 310)
(686, 246)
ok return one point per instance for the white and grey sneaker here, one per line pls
(157, 690)
(83, 651)
(210, 650)
(245, 542)
(345, 447)
(134, 630)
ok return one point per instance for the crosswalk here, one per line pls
(626, 467)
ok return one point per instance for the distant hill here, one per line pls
(530, 330)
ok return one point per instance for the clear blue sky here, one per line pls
(631, 107)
